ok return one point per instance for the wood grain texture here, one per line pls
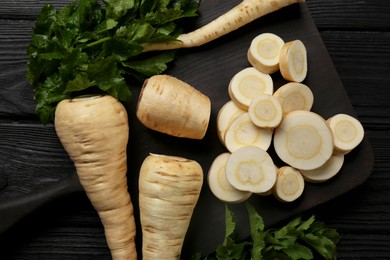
(357, 37)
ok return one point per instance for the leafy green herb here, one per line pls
(293, 241)
(87, 48)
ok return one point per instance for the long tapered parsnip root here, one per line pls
(348, 132)
(265, 111)
(303, 140)
(326, 171)
(171, 106)
(247, 84)
(240, 15)
(169, 188)
(251, 169)
(293, 61)
(94, 131)
(264, 52)
(289, 184)
(294, 96)
(219, 184)
(242, 132)
(226, 115)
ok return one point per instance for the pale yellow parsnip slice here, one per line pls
(289, 184)
(348, 132)
(293, 61)
(226, 115)
(303, 140)
(326, 171)
(219, 184)
(265, 111)
(294, 96)
(247, 84)
(264, 52)
(242, 132)
(251, 169)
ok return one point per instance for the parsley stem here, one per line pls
(97, 42)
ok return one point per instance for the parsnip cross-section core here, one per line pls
(303, 140)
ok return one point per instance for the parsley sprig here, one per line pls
(87, 48)
(293, 241)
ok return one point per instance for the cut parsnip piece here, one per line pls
(289, 184)
(169, 105)
(326, 171)
(348, 132)
(251, 169)
(294, 96)
(293, 61)
(265, 111)
(219, 184)
(303, 140)
(264, 51)
(247, 84)
(226, 115)
(242, 132)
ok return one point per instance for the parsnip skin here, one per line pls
(169, 188)
(171, 106)
(94, 131)
(240, 15)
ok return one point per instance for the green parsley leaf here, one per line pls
(87, 48)
(293, 241)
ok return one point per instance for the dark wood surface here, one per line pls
(355, 33)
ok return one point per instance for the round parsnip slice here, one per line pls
(226, 115)
(303, 140)
(326, 171)
(294, 96)
(251, 169)
(264, 51)
(219, 184)
(242, 132)
(293, 61)
(289, 184)
(247, 84)
(348, 132)
(265, 111)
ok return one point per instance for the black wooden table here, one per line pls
(357, 37)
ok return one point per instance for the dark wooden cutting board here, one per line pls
(208, 68)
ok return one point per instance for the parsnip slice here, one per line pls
(219, 184)
(251, 169)
(303, 140)
(242, 132)
(294, 96)
(348, 132)
(289, 184)
(247, 84)
(293, 61)
(226, 115)
(265, 111)
(264, 52)
(326, 171)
